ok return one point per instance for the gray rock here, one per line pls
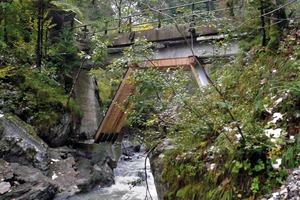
(62, 170)
(5, 171)
(58, 135)
(29, 169)
(93, 173)
(156, 163)
(32, 184)
(80, 170)
(20, 144)
(290, 191)
(4, 187)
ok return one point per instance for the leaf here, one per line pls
(222, 105)
(6, 72)
(237, 167)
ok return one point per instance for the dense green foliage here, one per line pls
(238, 137)
(224, 149)
(227, 136)
(211, 153)
(37, 95)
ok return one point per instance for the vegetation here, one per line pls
(37, 94)
(237, 138)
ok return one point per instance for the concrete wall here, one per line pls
(86, 95)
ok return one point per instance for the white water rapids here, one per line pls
(127, 172)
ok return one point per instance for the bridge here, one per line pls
(172, 51)
(188, 45)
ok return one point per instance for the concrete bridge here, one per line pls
(180, 46)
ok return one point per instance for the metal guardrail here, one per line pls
(160, 17)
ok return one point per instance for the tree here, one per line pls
(18, 29)
(211, 159)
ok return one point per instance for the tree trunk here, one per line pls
(39, 34)
(262, 18)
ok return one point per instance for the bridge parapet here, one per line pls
(159, 35)
(195, 18)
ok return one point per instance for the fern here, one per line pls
(6, 72)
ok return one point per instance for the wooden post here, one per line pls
(39, 34)
(159, 19)
(106, 25)
(130, 24)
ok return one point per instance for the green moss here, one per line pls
(74, 108)
(14, 119)
(185, 193)
(274, 41)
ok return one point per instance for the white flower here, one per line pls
(277, 163)
(1, 115)
(292, 138)
(274, 71)
(276, 117)
(269, 110)
(278, 101)
(273, 134)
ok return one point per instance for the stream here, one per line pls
(128, 173)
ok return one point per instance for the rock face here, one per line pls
(28, 183)
(156, 163)
(21, 145)
(25, 182)
(79, 170)
(290, 191)
(29, 169)
(59, 134)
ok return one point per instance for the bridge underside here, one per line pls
(115, 116)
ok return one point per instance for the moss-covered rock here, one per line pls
(20, 144)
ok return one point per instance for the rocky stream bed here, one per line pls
(30, 169)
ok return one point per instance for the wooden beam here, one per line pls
(172, 63)
(115, 117)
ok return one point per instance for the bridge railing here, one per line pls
(190, 14)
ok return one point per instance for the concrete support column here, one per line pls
(200, 74)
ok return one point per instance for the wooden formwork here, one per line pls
(115, 116)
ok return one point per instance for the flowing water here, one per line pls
(127, 174)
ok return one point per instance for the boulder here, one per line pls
(59, 134)
(94, 167)
(20, 144)
(29, 169)
(80, 170)
(62, 170)
(157, 166)
(24, 182)
(4, 187)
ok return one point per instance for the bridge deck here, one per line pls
(115, 116)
